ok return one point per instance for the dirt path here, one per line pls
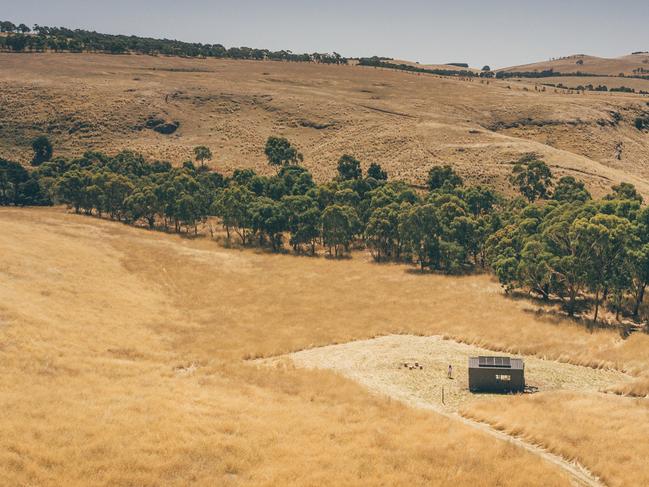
(383, 365)
(578, 472)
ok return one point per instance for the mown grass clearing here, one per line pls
(379, 365)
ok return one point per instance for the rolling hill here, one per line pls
(407, 122)
(134, 357)
(628, 65)
(124, 360)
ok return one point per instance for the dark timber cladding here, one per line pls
(496, 374)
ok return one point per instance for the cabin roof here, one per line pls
(498, 363)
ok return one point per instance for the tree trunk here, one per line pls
(571, 302)
(546, 292)
(639, 299)
(596, 305)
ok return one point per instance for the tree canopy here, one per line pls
(59, 39)
(532, 178)
(586, 254)
(43, 150)
(280, 152)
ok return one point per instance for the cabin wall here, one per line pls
(496, 380)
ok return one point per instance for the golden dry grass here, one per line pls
(404, 121)
(121, 363)
(591, 64)
(566, 416)
(607, 433)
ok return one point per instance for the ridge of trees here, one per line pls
(21, 38)
(601, 88)
(554, 241)
(379, 62)
(551, 73)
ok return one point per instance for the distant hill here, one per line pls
(41, 38)
(432, 67)
(405, 121)
(631, 65)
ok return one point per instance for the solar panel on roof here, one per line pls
(504, 362)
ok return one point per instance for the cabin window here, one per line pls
(503, 377)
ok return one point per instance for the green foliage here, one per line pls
(143, 204)
(304, 220)
(71, 189)
(6, 26)
(280, 152)
(233, 206)
(296, 179)
(480, 200)
(61, 39)
(376, 172)
(624, 191)
(339, 225)
(443, 177)
(18, 187)
(382, 232)
(420, 228)
(349, 168)
(202, 154)
(532, 178)
(584, 253)
(378, 62)
(43, 150)
(601, 240)
(269, 219)
(569, 189)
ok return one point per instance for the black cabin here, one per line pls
(496, 374)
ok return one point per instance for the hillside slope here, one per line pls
(591, 64)
(123, 362)
(406, 122)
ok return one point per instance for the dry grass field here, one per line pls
(568, 414)
(123, 362)
(404, 121)
(609, 434)
(590, 64)
(131, 358)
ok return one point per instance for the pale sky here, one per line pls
(495, 32)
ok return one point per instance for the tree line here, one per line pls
(381, 62)
(601, 88)
(553, 241)
(551, 73)
(22, 38)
